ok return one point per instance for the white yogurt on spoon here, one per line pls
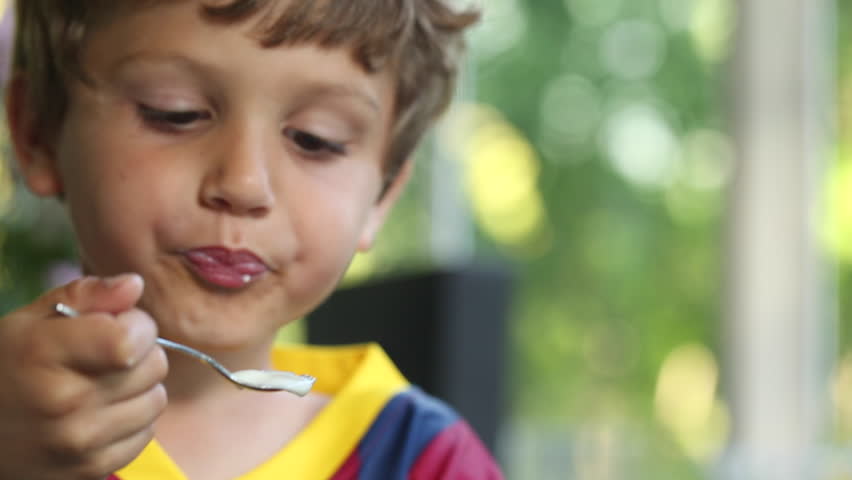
(274, 380)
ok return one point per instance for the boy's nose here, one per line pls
(238, 180)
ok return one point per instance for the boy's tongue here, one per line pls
(225, 268)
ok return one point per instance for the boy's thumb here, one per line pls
(98, 294)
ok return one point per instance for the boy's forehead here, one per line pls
(364, 26)
(260, 26)
(127, 46)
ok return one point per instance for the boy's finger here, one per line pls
(138, 337)
(122, 385)
(116, 455)
(124, 419)
(100, 342)
(94, 294)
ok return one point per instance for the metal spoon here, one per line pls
(263, 380)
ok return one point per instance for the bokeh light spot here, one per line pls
(501, 176)
(677, 14)
(685, 400)
(593, 12)
(708, 159)
(503, 24)
(841, 394)
(570, 113)
(641, 146)
(633, 49)
(837, 229)
(711, 27)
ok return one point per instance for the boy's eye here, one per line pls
(175, 119)
(313, 144)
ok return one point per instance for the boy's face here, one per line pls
(202, 161)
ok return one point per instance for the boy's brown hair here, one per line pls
(421, 40)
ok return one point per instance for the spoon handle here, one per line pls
(63, 309)
(196, 354)
(243, 379)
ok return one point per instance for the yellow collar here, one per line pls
(360, 378)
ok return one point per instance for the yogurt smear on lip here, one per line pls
(224, 268)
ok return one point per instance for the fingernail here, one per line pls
(112, 282)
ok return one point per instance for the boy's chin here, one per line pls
(222, 340)
(206, 327)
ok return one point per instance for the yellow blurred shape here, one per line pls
(685, 400)
(7, 192)
(502, 171)
(712, 28)
(7, 188)
(837, 229)
(361, 267)
(294, 332)
(841, 393)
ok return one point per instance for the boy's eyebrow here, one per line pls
(145, 57)
(342, 90)
(326, 88)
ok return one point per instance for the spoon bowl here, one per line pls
(261, 380)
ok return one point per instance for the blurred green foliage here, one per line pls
(631, 270)
(840, 204)
(845, 157)
(634, 270)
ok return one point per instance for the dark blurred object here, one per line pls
(446, 331)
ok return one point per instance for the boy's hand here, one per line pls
(78, 396)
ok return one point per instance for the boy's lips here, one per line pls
(225, 268)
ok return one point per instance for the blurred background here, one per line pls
(671, 196)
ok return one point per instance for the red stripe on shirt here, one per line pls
(350, 468)
(455, 454)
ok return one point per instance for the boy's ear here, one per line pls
(33, 155)
(383, 206)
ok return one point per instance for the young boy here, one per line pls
(221, 161)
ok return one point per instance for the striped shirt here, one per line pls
(376, 427)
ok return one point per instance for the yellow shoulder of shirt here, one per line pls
(361, 379)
